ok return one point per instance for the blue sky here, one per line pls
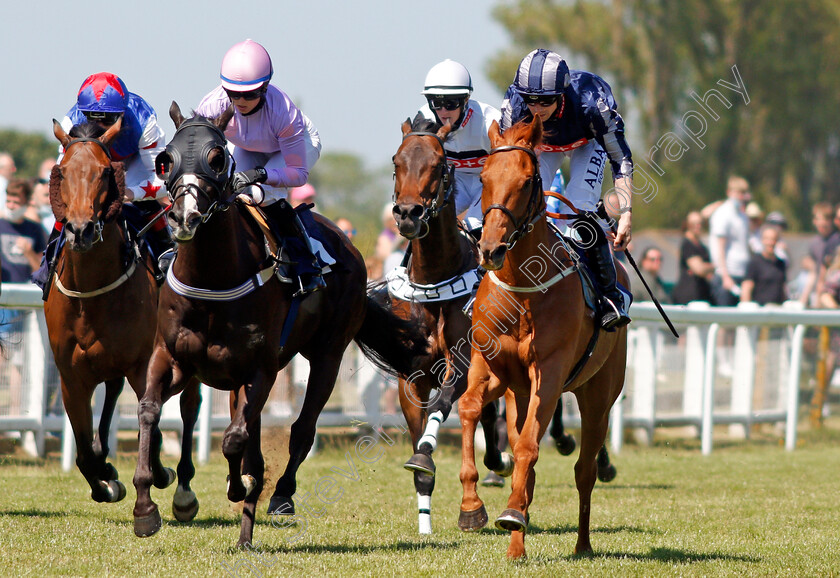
(356, 67)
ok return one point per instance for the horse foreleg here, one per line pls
(413, 401)
(101, 447)
(103, 488)
(319, 387)
(253, 466)
(234, 443)
(185, 502)
(532, 416)
(473, 514)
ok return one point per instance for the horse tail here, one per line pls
(392, 343)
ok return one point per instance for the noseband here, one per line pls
(533, 212)
(446, 185)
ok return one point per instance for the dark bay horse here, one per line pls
(535, 338)
(226, 317)
(101, 312)
(435, 288)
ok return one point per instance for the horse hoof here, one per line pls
(170, 477)
(566, 444)
(184, 505)
(472, 521)
(607, 473)
(507, 465)
(511, 521)
(116, 490)
(422, 463)
(145, 526)
(281, 506)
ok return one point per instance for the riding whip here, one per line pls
(602, 212)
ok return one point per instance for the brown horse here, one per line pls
(101, 312)
(226, 317)
(534, 338)
(442, 266)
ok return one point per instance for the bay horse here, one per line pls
(101, 312)
(537, 340)
(226, 317)
(435, 287)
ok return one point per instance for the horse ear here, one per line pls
(59, 133)
(406, 127)
(535, 137)
(495, 134)
(175, 114)
(111, 133)
(224, 119)
(444, 130)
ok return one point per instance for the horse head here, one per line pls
(86, 188)
(512, 196)
(197, 168)
(423, 180)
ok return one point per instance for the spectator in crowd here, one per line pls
(650, 266)
(7, 169)
(756, 219)
(39, 209)
(798, 285)
(822, 219)
(729, 244)
(776, 219)
(766, 278)
(302, 194)
(696, 268)
(346, 226)
(21, 241)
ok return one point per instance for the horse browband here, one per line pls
(89, 139)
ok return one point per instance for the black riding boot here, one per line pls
(598, 253)
(308, 269)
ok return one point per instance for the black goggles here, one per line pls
(104, 118)
(249, 95)
(541, 99)
(448, 103)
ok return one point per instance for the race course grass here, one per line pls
(749, 509)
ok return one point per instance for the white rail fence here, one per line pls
(709, 376)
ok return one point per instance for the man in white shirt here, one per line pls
(729, 231)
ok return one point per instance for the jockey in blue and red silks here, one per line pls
(103, 99)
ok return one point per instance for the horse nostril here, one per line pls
(499, 253)
(194, 221)
(416, 212)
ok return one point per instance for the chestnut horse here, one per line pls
(435, 288)
(535, 338)
(226, 317)
(101, 312)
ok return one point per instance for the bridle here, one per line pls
(535, 209)
(179, 164)
(99, 225)
(445, 187)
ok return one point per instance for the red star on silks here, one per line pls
(150, 190)
(99, 82)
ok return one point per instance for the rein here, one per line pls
(527, 224)
(446, 185)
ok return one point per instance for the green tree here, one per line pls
(656, 53)
(347, 189)
(28, 150)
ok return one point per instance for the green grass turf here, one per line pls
(749, 509)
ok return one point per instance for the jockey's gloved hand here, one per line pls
(249, 177)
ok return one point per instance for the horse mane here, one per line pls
(521, 131)
(423, 124)
(86, 130)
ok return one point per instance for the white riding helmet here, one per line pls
(448, 78)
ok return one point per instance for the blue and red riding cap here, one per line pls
(103, 92)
